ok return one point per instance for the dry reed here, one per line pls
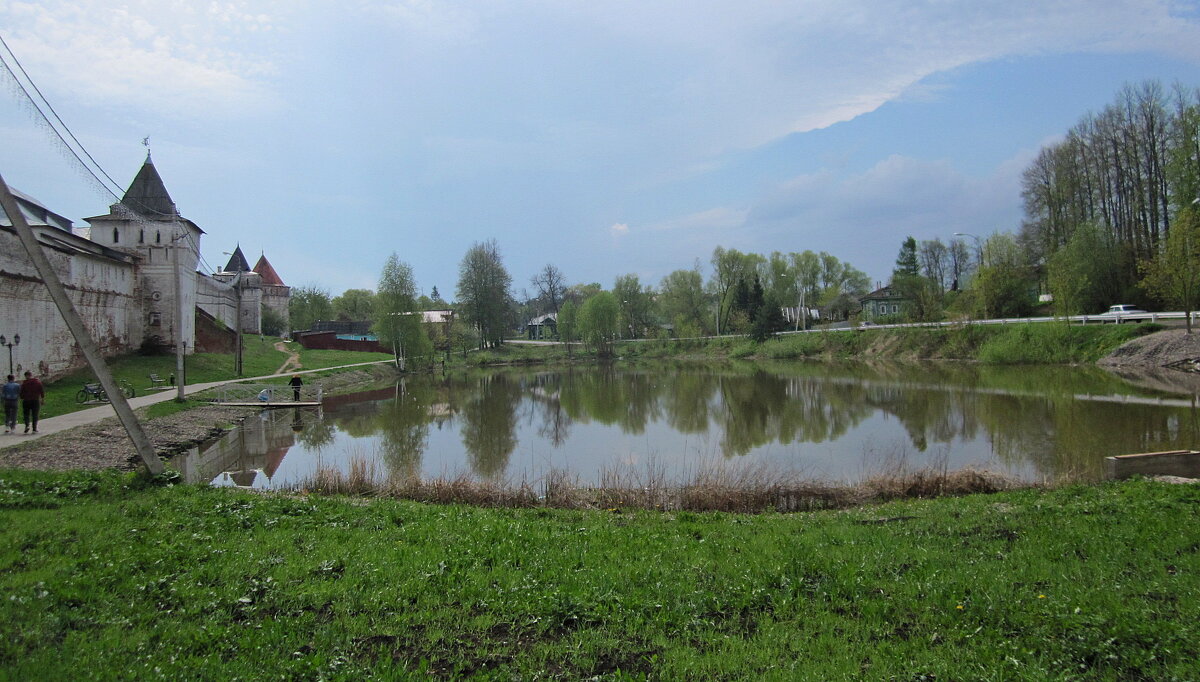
(739, 489)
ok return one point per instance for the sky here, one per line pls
(604, 137)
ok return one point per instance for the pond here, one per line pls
(832, 423)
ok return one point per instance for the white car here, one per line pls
(1122, 310)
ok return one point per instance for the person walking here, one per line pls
(11, 392)
(32, 395)
(296, 383)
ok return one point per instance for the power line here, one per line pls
(4, 58)
(77, 149)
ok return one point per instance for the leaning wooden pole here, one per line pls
(82, 337)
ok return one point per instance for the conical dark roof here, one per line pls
(237, 262)
(148, 195)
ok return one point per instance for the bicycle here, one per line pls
(95, 392)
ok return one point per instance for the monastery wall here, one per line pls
(102, 286)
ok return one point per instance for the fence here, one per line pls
(267, 393)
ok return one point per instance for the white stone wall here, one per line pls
(103, 290)
(218, 296)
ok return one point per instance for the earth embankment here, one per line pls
(1172, 347)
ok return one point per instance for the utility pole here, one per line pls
(237, 327)
(91, 352)
(179, 347)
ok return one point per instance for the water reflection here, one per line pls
(834, 422)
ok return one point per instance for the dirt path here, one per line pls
(293, 361)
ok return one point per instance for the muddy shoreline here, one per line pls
(104, 444)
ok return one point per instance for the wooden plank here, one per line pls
(268, 403)
(1182, 463)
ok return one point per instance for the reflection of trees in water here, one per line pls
(489, 421)
(1029, 415)
(315, 432)
(686, 398)
(766, 408)
(404, 426)
(545, 392)
(1072, 437)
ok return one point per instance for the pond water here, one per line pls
(837, 423)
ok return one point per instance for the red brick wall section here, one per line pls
(330, 341)
(213, 338)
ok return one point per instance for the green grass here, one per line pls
(105, 577)
(1042, 343)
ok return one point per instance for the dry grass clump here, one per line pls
(936, 483)
(738, 489)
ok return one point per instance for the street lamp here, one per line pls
(978, 244)
(4, 342)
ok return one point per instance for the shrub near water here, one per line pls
(192, 583)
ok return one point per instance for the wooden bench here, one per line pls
(157, 381)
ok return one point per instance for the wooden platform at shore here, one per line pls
(270, 403)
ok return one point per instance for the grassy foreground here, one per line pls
(105, 578)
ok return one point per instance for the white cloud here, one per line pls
(619, 229)
(171, 57)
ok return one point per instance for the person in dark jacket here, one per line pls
(32, 395)
(11, 392)
(296, 383)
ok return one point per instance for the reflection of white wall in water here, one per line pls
(259, 444)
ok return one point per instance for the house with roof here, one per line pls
(543, 327)
(887, 300)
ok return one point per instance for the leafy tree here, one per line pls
(730, 267)
(1080, 273)
(1174, 275)
(398, 323)
(637, 303)
(568, 324)
(308, 304)
(578, 293)
(1003, 284)
(273, 323)
(437, 299)
(354, 304)
(598, 322)
(682, 301)
(483, 292)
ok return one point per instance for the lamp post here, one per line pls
(15, 342)
(978, 244)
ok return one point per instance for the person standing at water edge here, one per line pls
(32, 394)
(296, 383)
(11, 391)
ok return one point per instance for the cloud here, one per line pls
(619, 229)
(862, 218)
(171, 57)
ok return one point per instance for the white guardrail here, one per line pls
(1081, 319)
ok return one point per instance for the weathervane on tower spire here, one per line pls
(146, 144)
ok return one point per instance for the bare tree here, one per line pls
(933, 255)
(551, 286)
(959, 255)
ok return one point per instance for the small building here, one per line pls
(882, 302)
(543, 327)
